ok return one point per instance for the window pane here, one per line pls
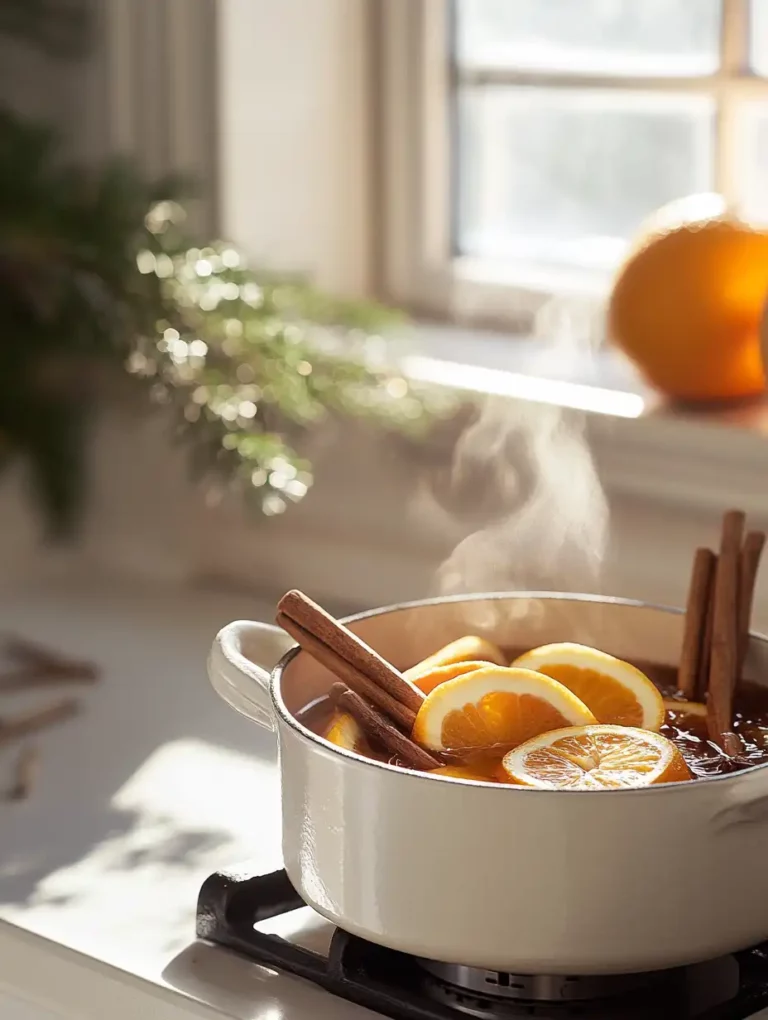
(662, 37)
(563, 177)
(753, 161)
(759, 36)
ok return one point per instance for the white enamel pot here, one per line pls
(495, 876)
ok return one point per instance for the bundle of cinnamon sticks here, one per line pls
(717, 624)
(377, 695)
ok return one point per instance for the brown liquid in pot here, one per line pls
(688, 732)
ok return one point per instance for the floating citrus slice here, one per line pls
(344, 731)
(615, 691)
(462, 772)
(681, 707)
(595, 758)
(466, 649)
(495, 705)
(427, 682)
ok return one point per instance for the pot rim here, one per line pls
(309, 735)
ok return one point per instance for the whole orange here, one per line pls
(687, 303)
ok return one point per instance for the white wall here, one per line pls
(63, 94)
(292, 134)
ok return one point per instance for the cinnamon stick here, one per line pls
(695, 622)
(751, 551)
(702, 679)
(378, 728)
(295, 606)
(326, 656)
(725, 630)
(38, 719)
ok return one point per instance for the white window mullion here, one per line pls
(734, 58)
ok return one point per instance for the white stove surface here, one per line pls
(155, 786)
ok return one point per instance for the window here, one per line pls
(526, 140)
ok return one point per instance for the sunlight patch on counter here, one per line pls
(193, 781)
(190, 809)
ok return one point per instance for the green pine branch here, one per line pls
(98, 279)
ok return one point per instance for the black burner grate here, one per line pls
(232, 905)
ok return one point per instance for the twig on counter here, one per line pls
(25, 772)
(31, 665)
(38, 663)
(16, 727)
(25, 677)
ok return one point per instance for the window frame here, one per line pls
(416, 266)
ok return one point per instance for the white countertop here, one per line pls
(155, 786)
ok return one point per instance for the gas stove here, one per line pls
(262, 917)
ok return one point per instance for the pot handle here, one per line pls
(239, 666)
(746, 803)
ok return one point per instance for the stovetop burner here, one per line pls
(535, 987)
(233, 907)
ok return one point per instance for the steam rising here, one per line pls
(524, 480)
(524, 490)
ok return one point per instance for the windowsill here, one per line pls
(527, 368)
(600, 382)
(699, 459)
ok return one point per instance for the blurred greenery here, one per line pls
(98, 283)
(98, 279)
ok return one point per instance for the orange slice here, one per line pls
(595, 758)
(681, 707)
(462, 772)
(466, 649)
(495, 705)
(615, 691)
(427, 682)
(344, 731)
